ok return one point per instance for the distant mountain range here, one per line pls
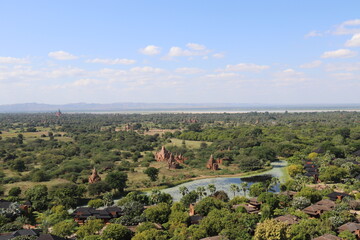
(163, 107)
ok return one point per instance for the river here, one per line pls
(223, 183)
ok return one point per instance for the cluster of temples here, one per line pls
(172, 160)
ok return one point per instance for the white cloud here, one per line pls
(218, 55)
(349, 67)
(246, 67)
(146, 70)
(347, 27)
(85, 82)
(222, 75)
(313, 64)
(123, 61)
(289, 76)
(150, 50)
(195, 46)
(343, 76)
(179, 52)
(12, 60)
(341, 53)
(186, 70)
(354, 41)
(313, 34)
(61, 55)
(194, 50)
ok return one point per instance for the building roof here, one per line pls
(327, 237)
(319, 207)
(248, 208)
(289, 219)
(350, 226)
(337, 195)
(26, 232)
(213, 238)
(49, 237)
(4, 203)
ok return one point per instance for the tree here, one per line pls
(272, 183)
(211, 188)
(234, 188)
(97, 188)
(91, 227)
(158, 197)
(347, 235)
(295, 169)
(244, 187)
(300, 202)
(189, 198)
(158, 213)
(117, 180)
(221, 195)
(108, 199)
(207, 204)
(201, 191)
(38, 196)
(15, 191)
(183, 190)
(151, 234)
(67, 194)
(271, 230)
(117, 232)
(132, 213)
(64, 228)
(256, 189)
(152, 173)
(96, 203)
(333, 174)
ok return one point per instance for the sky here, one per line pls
(180, 51)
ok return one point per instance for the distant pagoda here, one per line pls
(58, 113)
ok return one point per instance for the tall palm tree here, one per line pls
(211, 188)
(244, 187)
(234, 188)
(272, 183)
(183, 190)
(201, 192)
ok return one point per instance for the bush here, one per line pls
(96, 203)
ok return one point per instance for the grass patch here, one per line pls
(189, 143)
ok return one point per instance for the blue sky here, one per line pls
(288, 52)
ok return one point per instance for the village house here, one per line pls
(337, 196)
(289, 194)
(319, 208)
(249, 208)
(24, 233)
(81, 214)
(288, 219)
(327, 237)
(352, 227)
(214, 238)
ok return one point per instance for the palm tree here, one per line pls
(244, 187)
(201, 192)
(211, 188)
(234, 188)
(183, 190)
(272, 183)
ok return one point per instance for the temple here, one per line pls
(94, 177)
(163, 155)
(212, 163)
